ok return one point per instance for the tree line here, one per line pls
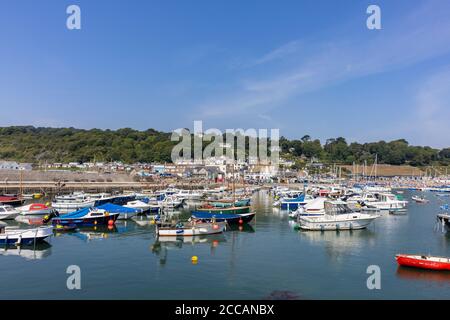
(38, 145)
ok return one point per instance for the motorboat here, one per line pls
(34, 209)
(32, 196)
(380, 201)
(338, 216)
(420, 199)
(87, 217)
(104, 198)
(315, 207)
(291, 204)
(171, 202)
(19, 236)
(192, 228)
(72, 202)
(139, 204)
(423, 262)
(7, 212)
(190, 195)
(12, 200)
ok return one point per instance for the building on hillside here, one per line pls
(12, 165)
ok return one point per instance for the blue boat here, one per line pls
(228, 217)
(87, 217)
(124, 212)
(292, 204)
(117, 200)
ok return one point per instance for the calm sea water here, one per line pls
(260, 261)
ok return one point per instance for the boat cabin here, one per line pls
(337, 207)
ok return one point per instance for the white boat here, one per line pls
(389, 201)
(7, 212)
(171, 202)
(338, 216)
(380, 201)
(420, 199)
(314, 208)
(190, 195)
(17, 236)
(376, 188)
(138, 204)
(34, 209)
(72, 203)
(190, 229)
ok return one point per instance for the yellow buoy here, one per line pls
(194, 259)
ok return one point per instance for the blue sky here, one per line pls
(305, 67)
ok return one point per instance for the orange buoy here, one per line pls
(241, 221)
(110, 222)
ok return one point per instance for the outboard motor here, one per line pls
(47, 218)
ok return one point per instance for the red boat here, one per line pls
(11, 200)
(423, 262)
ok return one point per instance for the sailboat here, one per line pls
(231, 209)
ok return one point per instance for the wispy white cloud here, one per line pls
(279, 53)
(420, 35)
(431, 116)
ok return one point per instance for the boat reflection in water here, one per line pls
(241, 228)
(90, 233)
(39, 251)
(340, 244)
(165, 243)
(408, 273)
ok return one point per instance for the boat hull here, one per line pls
(232, 210)
(8, 216)
(422, 262)
(25, 236)
(86, 222)
(69, 207)
(12, 202)
(221, 217)
(319, 224)
(198, 229)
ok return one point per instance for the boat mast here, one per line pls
(234, 186)
(21, 184)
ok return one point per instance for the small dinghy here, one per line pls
(192, 228)
(17, 236)
(7, 212)
(230, 218)
(420, 199)
(423, 262)
(86, 218)
(399, 212)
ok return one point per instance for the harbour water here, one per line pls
(267, 259)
